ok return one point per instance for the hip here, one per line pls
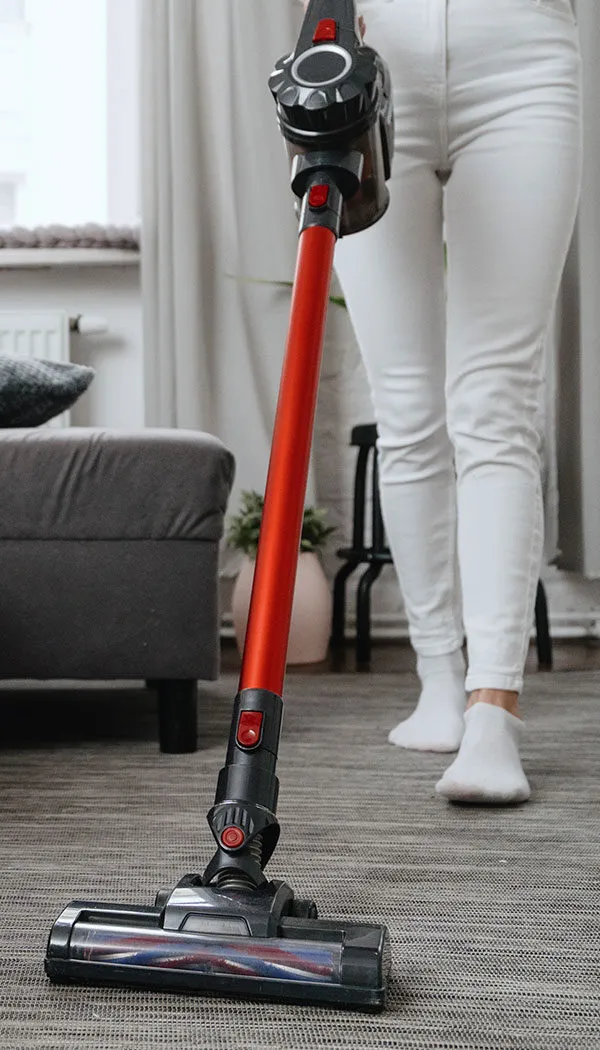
(476, 48)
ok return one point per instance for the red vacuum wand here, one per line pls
(333, 105)
(265, 649)
(335, 112)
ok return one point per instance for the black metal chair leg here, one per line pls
(543, 638)
(360, 498)
(338, 620)
(363, 616)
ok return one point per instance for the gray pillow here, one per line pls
(33, 391)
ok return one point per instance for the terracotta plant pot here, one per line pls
(311, 610)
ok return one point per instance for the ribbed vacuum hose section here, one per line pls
(238, 880)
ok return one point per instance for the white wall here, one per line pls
(115, 398)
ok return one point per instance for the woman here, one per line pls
(487, 97)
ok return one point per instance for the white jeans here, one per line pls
(487, 99)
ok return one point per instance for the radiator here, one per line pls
(44, 334)
(33, 333)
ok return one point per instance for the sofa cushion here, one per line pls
(32, 392)
(82, 483)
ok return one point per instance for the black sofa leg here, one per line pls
(177, 715)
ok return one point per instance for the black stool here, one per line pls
(378, 554)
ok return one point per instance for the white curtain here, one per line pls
(178, 270)
(217, 209)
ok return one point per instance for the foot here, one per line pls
(487, 769)
(436, 724)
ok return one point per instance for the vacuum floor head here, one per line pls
(247, 943)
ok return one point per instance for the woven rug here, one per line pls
(494, 913)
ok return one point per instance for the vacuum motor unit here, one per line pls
(334, 104)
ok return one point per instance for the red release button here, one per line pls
(325, 31)
(318, 196)
(232, 837)
(249, 728)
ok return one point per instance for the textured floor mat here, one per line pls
(494, 914)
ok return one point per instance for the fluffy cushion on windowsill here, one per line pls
(32, 391)
(123, 238)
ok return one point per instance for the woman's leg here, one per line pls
(393, 279)
(515, 150)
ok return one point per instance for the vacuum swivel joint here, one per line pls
(243, 820)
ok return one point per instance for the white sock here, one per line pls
(436, 724)
(488, 766)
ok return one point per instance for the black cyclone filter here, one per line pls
(334, 101)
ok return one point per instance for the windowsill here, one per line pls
(49, 258)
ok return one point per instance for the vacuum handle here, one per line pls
(343, 12)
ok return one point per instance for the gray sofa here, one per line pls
(109, 548)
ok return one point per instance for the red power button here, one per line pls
(325, 31)
(318, 196)
(249, 728)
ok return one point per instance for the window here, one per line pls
(12, 10)
(68, 112)
(8, 204)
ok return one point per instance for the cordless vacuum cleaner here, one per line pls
(230, 931)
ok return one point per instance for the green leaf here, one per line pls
(244, 527)
(337, 300)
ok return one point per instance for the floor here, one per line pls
(494, 914)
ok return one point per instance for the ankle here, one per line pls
(452, 663)
(508, 701)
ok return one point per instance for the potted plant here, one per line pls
(311, 610)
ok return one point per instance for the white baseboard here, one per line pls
(392, 627)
